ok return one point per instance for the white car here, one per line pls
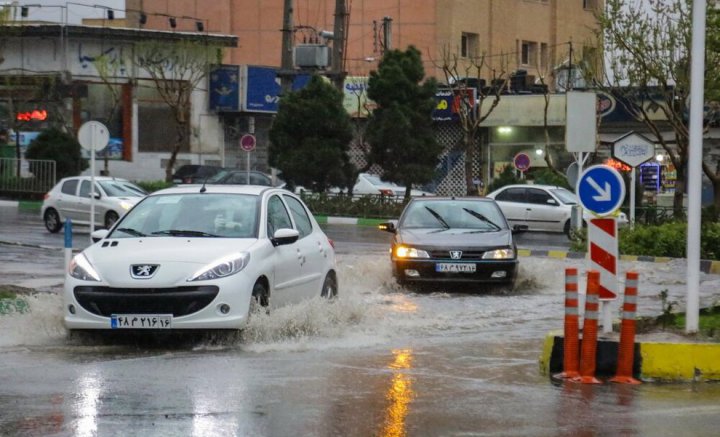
(70, 199)
(541, 207)
(372, 184)
(194, 257)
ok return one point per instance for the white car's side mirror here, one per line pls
(285, 236)
(99, 235)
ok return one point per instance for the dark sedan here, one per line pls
(453, 240)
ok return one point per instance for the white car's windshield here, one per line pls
(191, 215)
(449, 214)
(565, 196)
(122, 189)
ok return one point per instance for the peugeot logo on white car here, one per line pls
(455, 254)
(143, 271)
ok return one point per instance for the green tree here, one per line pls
(310, 137)
(400, 130)
(56, 145)
(649, 51)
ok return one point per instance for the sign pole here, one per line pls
(247, 166)
(633, 175)
(92, 182)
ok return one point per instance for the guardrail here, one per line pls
(31, 176)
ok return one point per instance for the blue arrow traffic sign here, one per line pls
(601, 189)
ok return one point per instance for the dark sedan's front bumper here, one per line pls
(486, 271)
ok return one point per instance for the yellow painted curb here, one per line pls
(628, 257)
(561, 254)
(523, 252)
(680, 361)
(546, 354)
(715, 267)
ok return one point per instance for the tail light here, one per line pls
(46, 196)
(188, 180)
(386, 192)
(332, 243)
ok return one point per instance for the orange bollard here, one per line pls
(626, 349)
(590, 326)
(571, 338)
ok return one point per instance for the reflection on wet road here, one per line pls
(381, 360)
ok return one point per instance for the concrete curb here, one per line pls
(654, 361)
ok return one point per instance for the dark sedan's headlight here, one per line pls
(410, 252)
(506, 253)
(80, 268)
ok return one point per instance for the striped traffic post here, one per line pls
(603, 248)
(590, 327)
(626, 349)
(571, 333)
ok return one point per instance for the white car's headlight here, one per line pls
(223, 267)
(499, 254)
(410, 252)
(125, 205)
(80, 268)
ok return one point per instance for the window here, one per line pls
(544, 56)
(302, 221)
(278, 217)
(529, 53)
(512, 195)
(538, 197)
(469, 45)
(70, 187)
(157, 126)
(590, 4)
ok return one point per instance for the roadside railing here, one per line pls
(366, 206)
(26, 176)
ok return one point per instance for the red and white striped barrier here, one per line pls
(603, 248)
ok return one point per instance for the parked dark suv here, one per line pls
(194, 174)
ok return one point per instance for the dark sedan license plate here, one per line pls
(455, 268)
(141, 321)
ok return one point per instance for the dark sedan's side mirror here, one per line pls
(519, 229)
(387, 227)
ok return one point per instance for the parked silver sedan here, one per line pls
(70, 199)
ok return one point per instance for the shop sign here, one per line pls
(224, 88)
(355, 99)
(263, 88)
(448, 103)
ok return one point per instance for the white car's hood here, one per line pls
(178, 258)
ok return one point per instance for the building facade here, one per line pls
(54, 74)
(531, 35)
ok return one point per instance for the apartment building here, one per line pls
(531, 35)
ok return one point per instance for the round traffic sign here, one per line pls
(600, 189)
(247, 142)
(93, 135)
(522, 161)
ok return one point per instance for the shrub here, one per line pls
(151, 186)
(549, 177)
(55, 145)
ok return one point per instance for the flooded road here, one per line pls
(379, 361)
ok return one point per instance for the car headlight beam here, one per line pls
(222, 267)
(506, 253)
(410, 252)
(80, 268)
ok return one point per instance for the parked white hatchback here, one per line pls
(540, 207)
(70, 199)
(200, 257)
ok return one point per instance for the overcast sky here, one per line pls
(50, 10)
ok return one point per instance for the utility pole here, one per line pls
(339, 38)
(287, 71)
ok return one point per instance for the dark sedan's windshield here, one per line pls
(451, 213)
(192, 215)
